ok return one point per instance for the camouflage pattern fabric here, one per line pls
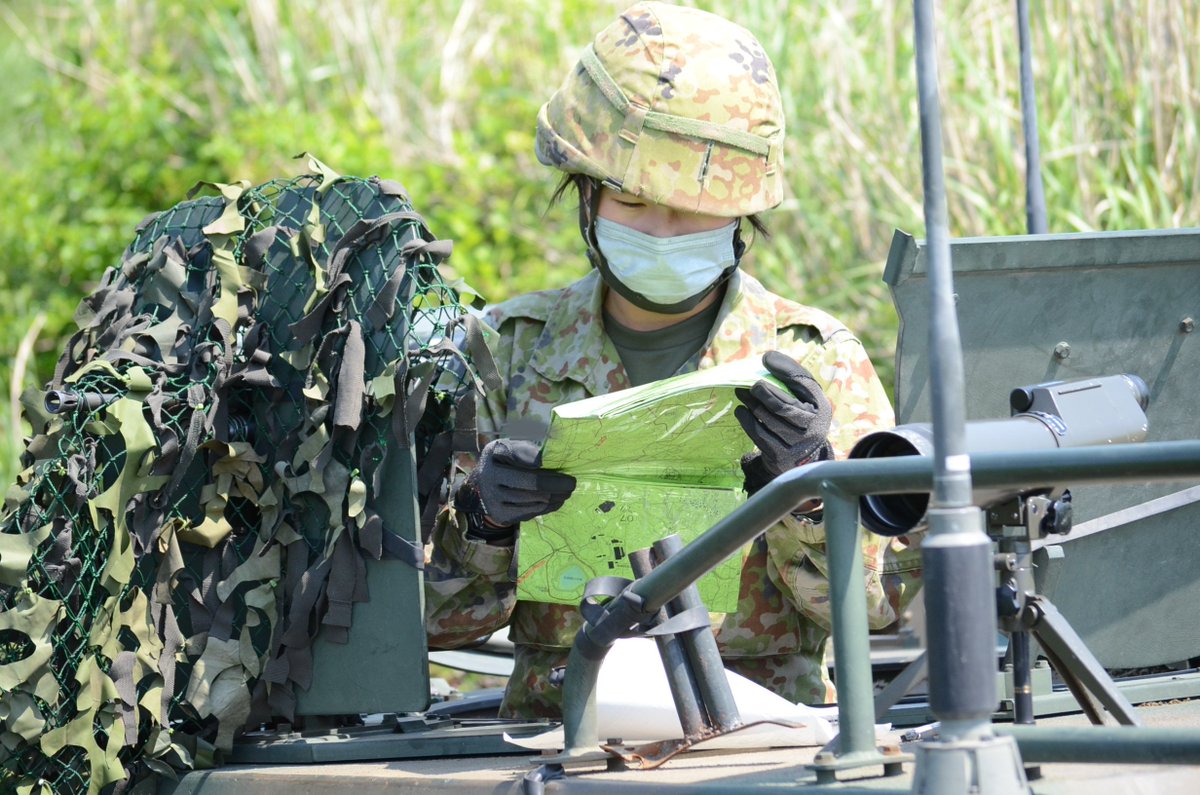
(678, 106)
(552, 349)
(902, 572)
(200, 489)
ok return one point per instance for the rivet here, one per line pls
(1062, 350)
(1187, 325)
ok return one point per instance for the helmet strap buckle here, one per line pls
(635, 120)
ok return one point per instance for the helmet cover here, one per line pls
(675, 105)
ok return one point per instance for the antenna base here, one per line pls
(984, 765)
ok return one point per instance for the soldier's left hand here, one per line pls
(791, 427)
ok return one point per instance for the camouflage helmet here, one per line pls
(675, 105)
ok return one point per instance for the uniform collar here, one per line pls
(745, 326)
(573, 346)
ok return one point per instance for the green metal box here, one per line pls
(383, 666)
(1046, 307)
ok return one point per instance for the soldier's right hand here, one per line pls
(508, 486)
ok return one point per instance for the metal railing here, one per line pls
(841, 484)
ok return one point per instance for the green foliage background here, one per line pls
(113, 109)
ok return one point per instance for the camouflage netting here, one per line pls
(199, 490)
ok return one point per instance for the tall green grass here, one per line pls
(115, 108)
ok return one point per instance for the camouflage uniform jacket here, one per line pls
(552, 349)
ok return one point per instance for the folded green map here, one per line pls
(649, 461)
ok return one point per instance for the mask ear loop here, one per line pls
(739, 245)
(589, 207)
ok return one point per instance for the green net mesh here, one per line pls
(213, 432)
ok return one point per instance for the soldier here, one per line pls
(671, 131)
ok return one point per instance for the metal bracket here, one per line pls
(827, 764)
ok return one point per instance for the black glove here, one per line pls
(789, 428)
(508, 486)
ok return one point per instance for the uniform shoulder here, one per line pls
(790, 314)
(793, 315)
(535, 306)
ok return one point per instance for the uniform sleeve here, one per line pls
(796, 547)
(469, 591)
(469, 587)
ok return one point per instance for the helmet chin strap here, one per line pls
(589, 205)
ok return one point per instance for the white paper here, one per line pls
(633, 704)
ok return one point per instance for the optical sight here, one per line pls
(1080, 412)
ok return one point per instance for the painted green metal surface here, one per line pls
(409, 738)
(1130, 592)
(384, 666)
(1116, 299)
(1045, 307)
(1108, 744)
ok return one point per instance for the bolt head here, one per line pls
(1062, 350)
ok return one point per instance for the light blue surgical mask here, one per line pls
(666, 271)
